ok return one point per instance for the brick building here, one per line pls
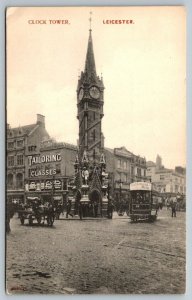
(126, 168)
(48, 172)
(20, 141)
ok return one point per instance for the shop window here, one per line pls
(10, 161)
(19, 180)
(20, 159)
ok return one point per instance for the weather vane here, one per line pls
(90, 19)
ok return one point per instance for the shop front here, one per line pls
(49, 189)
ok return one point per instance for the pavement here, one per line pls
(97, 256)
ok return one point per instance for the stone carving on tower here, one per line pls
(91, 183)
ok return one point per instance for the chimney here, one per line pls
(41, 120)
(8, 126)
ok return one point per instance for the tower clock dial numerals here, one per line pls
(81, 94)
(94, 92)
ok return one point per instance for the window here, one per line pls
(20, 159)
(144, 173)
(139, 172)
(162, 177)
(126, 178)
(94, 135)
(10, 145)
(58, 168)
(118, 163)
(19, 180)
(10, 160)
(32, 148)
(10, 180)
(65, 184)
(20, 143)
(124, 165)
(132, 170)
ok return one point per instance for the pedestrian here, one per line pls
(69, 204)
(110, 208)
(174, 207)
(9, 214)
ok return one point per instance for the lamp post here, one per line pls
(53, 189)
(120, 188)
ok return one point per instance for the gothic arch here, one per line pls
(95, 196)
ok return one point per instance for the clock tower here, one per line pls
(90, 90)
(90, 187)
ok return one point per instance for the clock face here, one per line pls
(94, 92)
(81, 94)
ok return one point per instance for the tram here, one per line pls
(143, 202)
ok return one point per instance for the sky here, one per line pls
(143, 65)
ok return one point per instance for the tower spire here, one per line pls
(90, 68)
(90, 20)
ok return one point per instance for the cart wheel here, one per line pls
(22, 219)
(30, 221)
(151, 218)
(39, 220)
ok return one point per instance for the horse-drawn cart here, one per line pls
(34, 210)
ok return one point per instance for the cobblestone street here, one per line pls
(98, 256)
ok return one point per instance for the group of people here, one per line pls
(92, 209)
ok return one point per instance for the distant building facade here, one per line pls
(167, 180)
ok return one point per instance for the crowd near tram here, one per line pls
(143, 203)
